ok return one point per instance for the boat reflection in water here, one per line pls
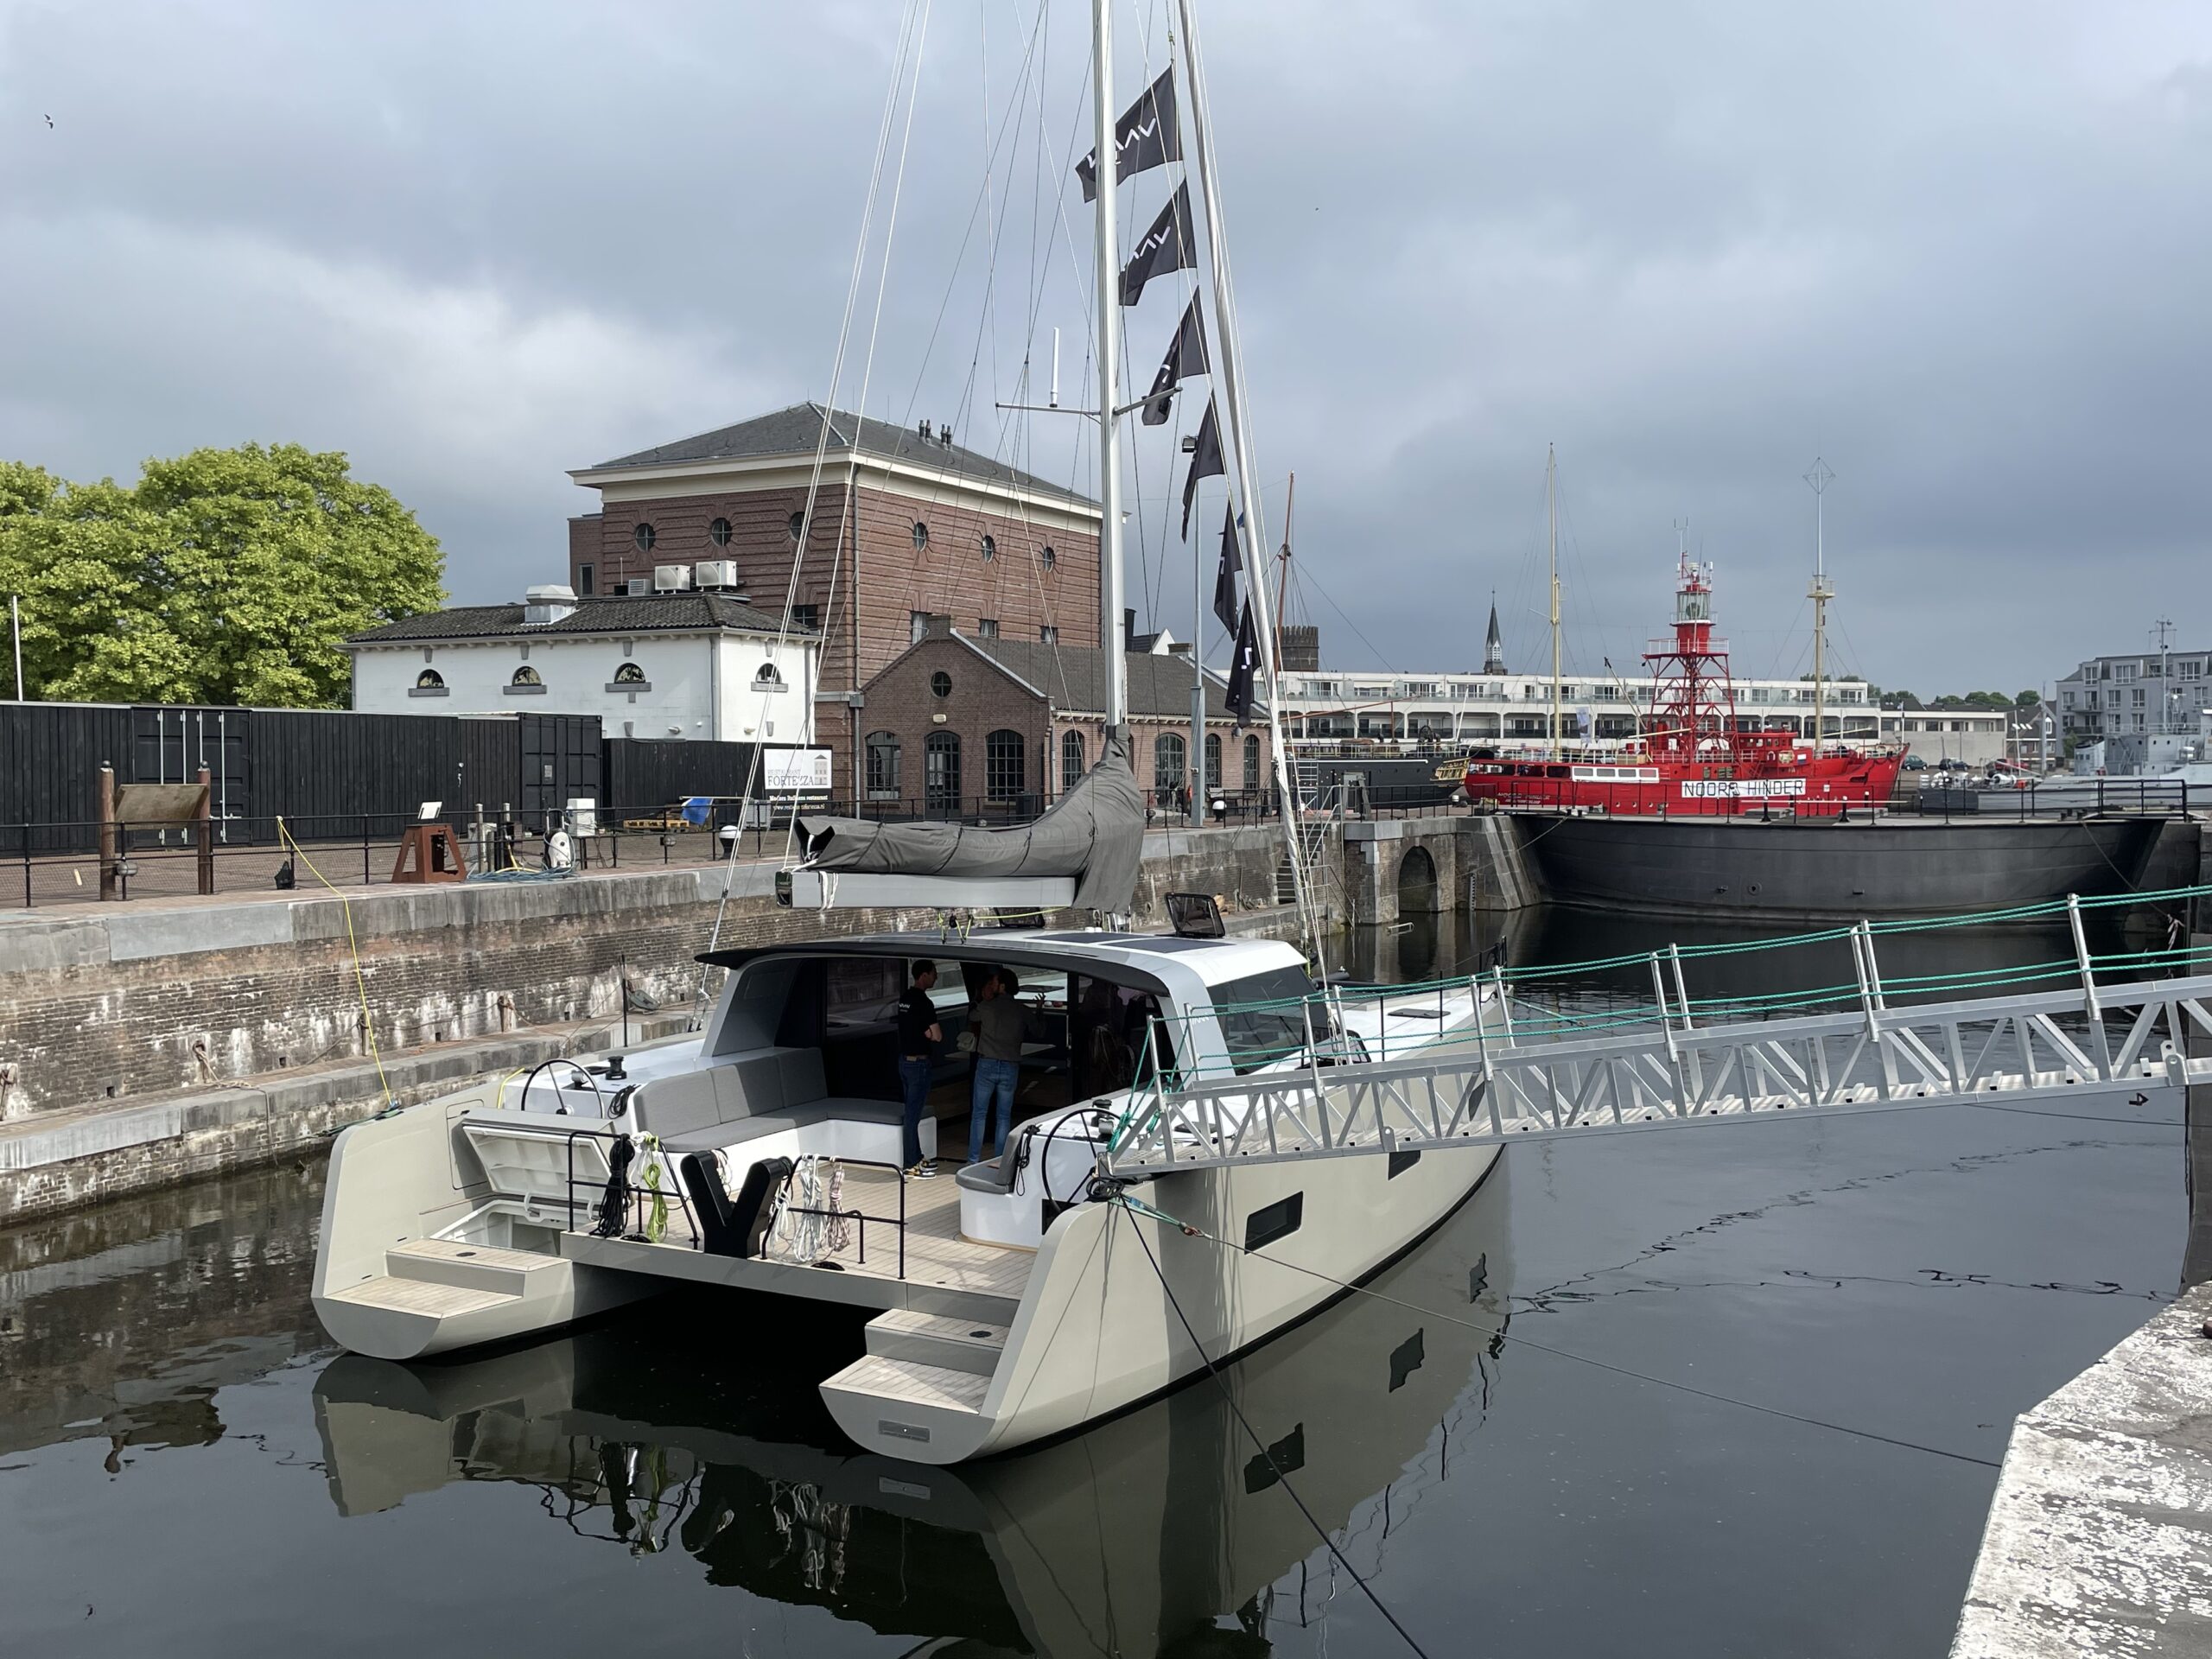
(1160, 1532)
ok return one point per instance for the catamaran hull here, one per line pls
(1121, 1306)
(1809, 869)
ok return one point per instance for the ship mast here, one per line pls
(1111, 643)
(1551, 519)
(1820, 477)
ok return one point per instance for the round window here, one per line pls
(644, 535)
(799, 523)
(990, 549)
(1048, 558)
(921, 535)
(940, 684)
(719, 532)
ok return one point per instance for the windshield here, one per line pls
(1264, 1016)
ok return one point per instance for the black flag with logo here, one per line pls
(1205, 462)
(1146, 136)
(1242, 668)
(1224, 580)
(1168, 246)
(1186, 361)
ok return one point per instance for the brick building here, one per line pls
(955, 719)
(905, 524)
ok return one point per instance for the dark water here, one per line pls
(186, 1469)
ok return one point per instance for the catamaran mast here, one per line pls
(1110, 640)
(1254, 528)
(1820, 477)
(1551, 519)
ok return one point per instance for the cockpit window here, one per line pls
(1263, 1016)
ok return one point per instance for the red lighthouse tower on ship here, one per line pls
(1694, 755)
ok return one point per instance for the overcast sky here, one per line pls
(1963, 251)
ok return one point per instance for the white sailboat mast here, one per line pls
(1551, 522)
(1247, 484)
(1820, 477)
(1110, 640)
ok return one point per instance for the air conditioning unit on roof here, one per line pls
(719, 574)
(671, 578)
(639, 587)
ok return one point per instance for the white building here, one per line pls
(1511, 713)
(698, 666)
(2142, 691)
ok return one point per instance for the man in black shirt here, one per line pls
(918, 1036)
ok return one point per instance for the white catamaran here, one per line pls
(1030, 1294)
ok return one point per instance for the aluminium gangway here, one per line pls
(1486, 1084)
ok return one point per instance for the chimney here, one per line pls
(936, 625)
(549, 603)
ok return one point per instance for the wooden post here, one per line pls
(105, 806)
(206, 832)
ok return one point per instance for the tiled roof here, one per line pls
(1073, 677)
(692, 613)
(798, 430)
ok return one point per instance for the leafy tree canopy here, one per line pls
(222, 577)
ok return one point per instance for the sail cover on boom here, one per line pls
(1094, 833)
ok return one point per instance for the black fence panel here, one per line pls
(491, 765)
(560, 763)
(641, 772)
(50, 758)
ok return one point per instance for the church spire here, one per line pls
(1493, 643)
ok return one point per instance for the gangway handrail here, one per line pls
(1497, 1087)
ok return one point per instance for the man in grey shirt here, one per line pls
(1000, 1024)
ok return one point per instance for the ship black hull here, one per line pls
(1817, 869)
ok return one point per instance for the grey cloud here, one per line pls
(1960, 251)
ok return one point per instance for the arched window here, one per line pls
(719, 532)
(644, 536)
(1213, 760)
(525, 675)
(766, 675)
(1252, 760)
(883, 759)
(990, 549)
(798, 524)
(1048, 558)
(1171, 762)
(1005, 766)
(629, 673)
(921, 534)
(941, 771)
(1070, 760)
(429, 680)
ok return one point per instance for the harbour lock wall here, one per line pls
(143, 1044)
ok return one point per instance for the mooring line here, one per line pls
(1282, 1476)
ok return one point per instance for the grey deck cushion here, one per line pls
(992, 1175)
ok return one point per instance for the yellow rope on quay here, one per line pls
(360, 985)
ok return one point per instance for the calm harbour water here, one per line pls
(187, 1467)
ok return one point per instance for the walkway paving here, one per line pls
(2099, 1537)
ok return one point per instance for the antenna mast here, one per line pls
(2164, 628)
(1109, 356)
(1820, 477)
(1551, 518)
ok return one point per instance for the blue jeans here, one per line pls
(914, 1081)
(993, 1078)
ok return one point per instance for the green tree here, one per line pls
(222, 577)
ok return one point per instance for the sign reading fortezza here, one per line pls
(795, 771)
(1740, 788)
